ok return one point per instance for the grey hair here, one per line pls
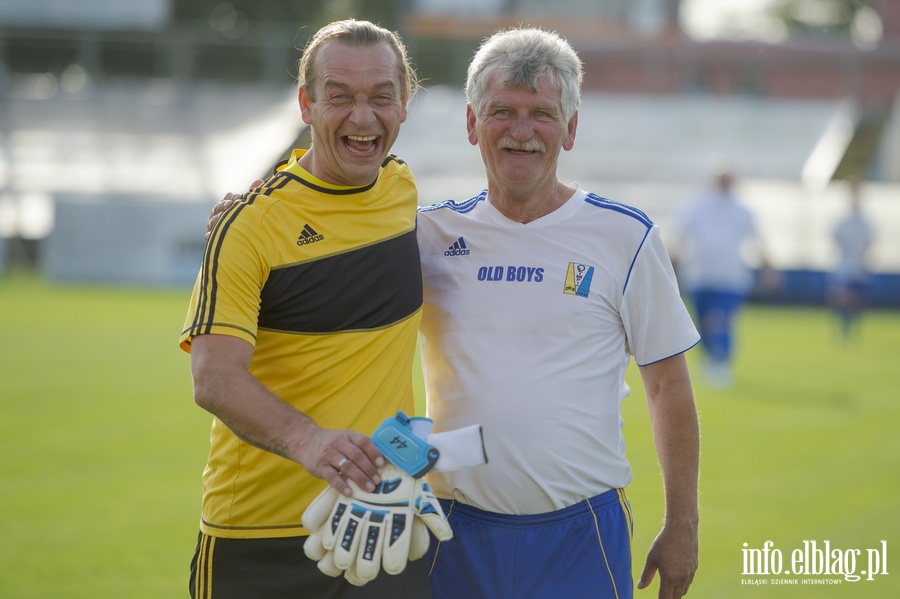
(357, 33)
(519, 57)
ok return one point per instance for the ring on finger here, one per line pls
(341, 462)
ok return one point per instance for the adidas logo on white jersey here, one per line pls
(458, 248)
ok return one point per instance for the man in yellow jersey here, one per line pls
(302, 327)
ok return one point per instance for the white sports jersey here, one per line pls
(715, 230)
(853, 236)
(528, 329)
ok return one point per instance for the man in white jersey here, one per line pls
(716, 235)
(537, 295)
(848, 282)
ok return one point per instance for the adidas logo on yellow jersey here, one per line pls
(309, 235)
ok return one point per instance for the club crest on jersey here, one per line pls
(578, 279)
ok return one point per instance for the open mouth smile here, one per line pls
(361, 145)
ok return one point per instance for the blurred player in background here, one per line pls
(302, 327)
(717, 240)
(848, 282)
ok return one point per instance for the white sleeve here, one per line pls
(657, 323)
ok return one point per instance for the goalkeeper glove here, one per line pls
(366, 532)
(360, 534)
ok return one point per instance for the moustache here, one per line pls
(532, 145)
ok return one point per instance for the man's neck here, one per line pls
(526, 205)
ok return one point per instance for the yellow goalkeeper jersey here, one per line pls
(324, 281)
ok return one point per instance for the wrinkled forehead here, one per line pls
(521, 77)
(543, 89)
(357, 64)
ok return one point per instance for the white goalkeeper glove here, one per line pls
(429, 516)
(360, 534)
(366, 532)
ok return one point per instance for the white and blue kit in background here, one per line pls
(716, 233)
(528, 330)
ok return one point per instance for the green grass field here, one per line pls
(103, 448)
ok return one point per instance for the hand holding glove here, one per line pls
(361, 534)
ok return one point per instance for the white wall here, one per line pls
(138, 241)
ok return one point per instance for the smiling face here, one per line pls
(520, 133)
(355, 109)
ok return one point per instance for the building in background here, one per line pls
(675, 47)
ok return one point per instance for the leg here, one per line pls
(279, 569)
(247, 568)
